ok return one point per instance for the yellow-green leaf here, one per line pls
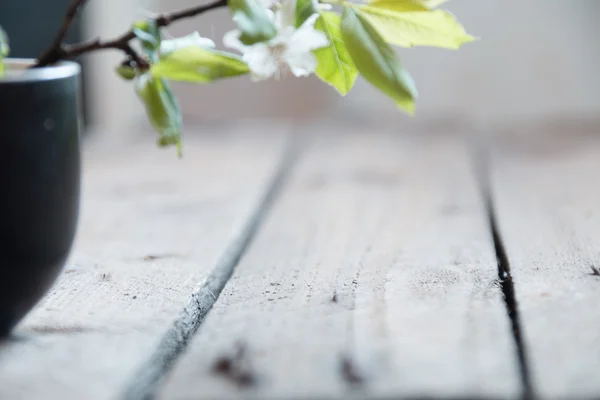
(412, 5)
(195, 64)
(162, 109)
(435, 28)
(400, 5)
(432, 3)
(376, 60)
(335, 64)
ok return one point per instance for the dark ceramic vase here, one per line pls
(39, 181)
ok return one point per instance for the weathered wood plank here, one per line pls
(373, 276)
(152, 228)
(547, 202)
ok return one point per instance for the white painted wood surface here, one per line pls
(374, 275)
(152, 228)
(548, 206)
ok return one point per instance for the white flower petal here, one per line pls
(307, 38)
(191, 40)
(286, 15)
(271, 15)
(261, 61)
(301, 64)
(232, 40)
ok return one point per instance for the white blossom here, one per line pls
(291, 48)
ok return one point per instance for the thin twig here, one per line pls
(54, 52)
(122, 42)
(166, 20)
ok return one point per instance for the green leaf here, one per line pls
(162, 109)
(4, 49)
(149, 36)
(400, 5)
(195, 64)
(253, 21)
(376, 60)
(407, 28)
(304, 9)
(126, 72)
(335, 64)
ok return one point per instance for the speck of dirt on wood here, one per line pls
(105, 276)
(349, 371)
(595, 271)
(334, 298)
(275, 284)
(235, 368)
(153, 257)
(134, 297)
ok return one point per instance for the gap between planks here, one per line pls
(545, 196)
(481, 165)
(148, 377)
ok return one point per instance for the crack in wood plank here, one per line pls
(548, 217)
(146, 381)
(482, 170)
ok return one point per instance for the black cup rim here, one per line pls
(17, 71)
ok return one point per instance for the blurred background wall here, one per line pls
(537, 61)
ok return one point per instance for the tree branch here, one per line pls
(54, 52)
(166, 20)
(62, 52)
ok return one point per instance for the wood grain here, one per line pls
(547, 202)
(152, 228)
(373, 276)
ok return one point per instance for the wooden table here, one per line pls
(325, 262)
